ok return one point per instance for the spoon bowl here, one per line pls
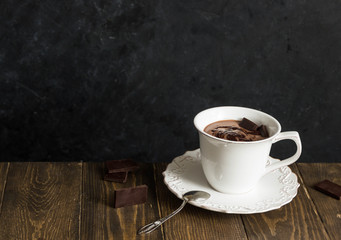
(197, 196)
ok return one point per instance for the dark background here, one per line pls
(97, 80)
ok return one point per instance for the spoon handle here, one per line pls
(154, 225)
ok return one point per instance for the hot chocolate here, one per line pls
(234, 130)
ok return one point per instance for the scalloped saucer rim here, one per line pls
(274, 190)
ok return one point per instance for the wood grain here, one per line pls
(3, 177)
(193, 222)
(71, 201)
(41, 201)
(288, 222)
(100, 220)
(328, 208)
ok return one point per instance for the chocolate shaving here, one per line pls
(248, 124)
(244, 130)
(226, 127)
(228, 134)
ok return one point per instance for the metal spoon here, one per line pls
(188, 196)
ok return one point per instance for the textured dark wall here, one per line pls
(95, 80)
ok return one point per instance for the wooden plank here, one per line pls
(3, 177)
(296, 220)
(100, 220)
(41, 201)
(193, 222)
(328, 208)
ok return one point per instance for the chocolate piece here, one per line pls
(122, 165)
(248, 124)
(120, 177)
(130, 196)
(329, 188)
(263, 131)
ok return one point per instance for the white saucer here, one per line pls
(274, 190)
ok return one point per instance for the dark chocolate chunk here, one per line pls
(263, 131)
(248, 124)
(225, 127)
(122, 165)
(120, 177)
(329, 188)
(130, 196)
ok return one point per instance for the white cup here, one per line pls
(236, 167)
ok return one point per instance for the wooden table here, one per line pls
(71, 201)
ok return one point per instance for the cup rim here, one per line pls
(238, 142)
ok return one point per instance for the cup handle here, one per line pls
(286, 136)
